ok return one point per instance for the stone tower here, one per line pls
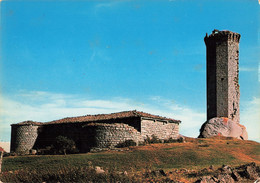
(222, 75)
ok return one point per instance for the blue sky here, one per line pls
(70, 58)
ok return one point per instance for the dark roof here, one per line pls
(101, 117)
(118, 115)
(28, 123)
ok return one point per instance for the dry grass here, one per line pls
(179, 160)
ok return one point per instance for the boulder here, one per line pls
(207, 179)
(99, 170)
(226, 169)
(235, 175)
(158, 173)
(125, 173)
(245, 173)
(221, 126)
(225, 177)
(250, 171)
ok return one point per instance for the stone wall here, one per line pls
(233, 70)
(77, 132)
(222, 75)
(23, 138)
(162, 130)
(221, 78)
(100, 135)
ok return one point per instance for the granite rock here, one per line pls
(221, 126)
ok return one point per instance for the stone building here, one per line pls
(93, 131)
(223, 93)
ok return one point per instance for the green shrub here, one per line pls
(171, 140)
(152, 140)
(126, 143)
(181, 140)
(64, 145)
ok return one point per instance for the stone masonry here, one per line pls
(23, 137)
(222, 75)
(102, 135)
(93, 131)
(223, 93)
(163, 130)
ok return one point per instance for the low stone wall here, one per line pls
(23, 138)
(98, 135)
(162, 130)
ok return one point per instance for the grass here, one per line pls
(194, 154)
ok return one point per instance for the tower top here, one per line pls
(220, 36)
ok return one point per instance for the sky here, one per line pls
(70, 58)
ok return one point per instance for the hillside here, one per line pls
(191, 156)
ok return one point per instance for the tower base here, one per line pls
(221, 126)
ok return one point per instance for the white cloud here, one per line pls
(250, 117)
(44, 106)
(110, 4)
(247, 69)
(191, 118)
(106, 5)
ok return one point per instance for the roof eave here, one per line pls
(162, 120)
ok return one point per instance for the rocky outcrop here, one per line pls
(242, 173)
(221, 126)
